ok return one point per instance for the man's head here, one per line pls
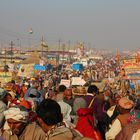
(35, 84)
(93, 89)
(49, 114)
(16, 127)
(52, 94)
(62, 88)
(125, 105)
(13, 82)
(68, 94)
(17, 119)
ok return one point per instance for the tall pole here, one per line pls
(43, 44)
(5, 56)
(42, 41)
(59, 44)
(118, 57)
(5, 62)
(69, 45)
(11, 44)
(19, 45)
(30, 32)
(63, 50)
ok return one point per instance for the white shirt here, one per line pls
(65, 109)
(114, 130)
(136, 136)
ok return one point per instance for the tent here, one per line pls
(77, 66)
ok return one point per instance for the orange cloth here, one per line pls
(126, 103)
(26, 104)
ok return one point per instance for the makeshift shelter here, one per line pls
(77, 66)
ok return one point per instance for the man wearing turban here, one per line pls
(125, 105)
(18, 128)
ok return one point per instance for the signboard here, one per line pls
(132, 69)
(5, 77)
(78, 81)
(133, 76)
(65, 82)
(5, 74)
(130, 65)
(26, 70)
(129, 61)
(132, 73)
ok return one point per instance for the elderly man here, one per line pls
(129, 131)
(3, 106)
(125, 105)
(18, 128)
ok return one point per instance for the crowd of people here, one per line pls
(41, 108)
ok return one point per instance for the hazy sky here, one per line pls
(108, 24)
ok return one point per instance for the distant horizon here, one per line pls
(55, 47)
(103, 24)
